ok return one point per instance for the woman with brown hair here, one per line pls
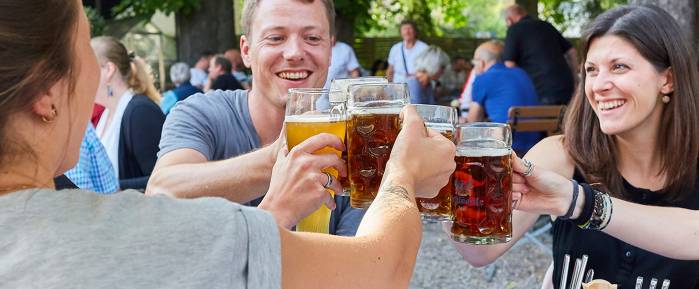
(131, 124)
(79, 239)
(621, 184)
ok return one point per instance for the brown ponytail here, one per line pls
(133, 70)
(141, 80)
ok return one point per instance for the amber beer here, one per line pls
(482, 197)
(439, 207)
(371, 134)
(300, 128)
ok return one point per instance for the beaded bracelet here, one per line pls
(601, 213)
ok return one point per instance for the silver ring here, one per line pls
(530, 168)
(329, 182)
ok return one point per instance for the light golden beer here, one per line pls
(298, 129)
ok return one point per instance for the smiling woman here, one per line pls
(630, 142)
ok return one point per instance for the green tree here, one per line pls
(572, 15)
(146, 8)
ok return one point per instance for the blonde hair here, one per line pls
(251, 6)
(133, 69)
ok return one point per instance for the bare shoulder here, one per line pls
(550, 153)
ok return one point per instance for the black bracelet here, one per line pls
(571, 208)
(588, 207)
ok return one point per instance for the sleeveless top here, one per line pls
(617, 261)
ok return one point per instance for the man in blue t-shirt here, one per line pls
(497, 88)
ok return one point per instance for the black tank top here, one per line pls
(617, 261)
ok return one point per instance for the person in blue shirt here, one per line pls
(94, 171)
(180, 76)
(497, 88)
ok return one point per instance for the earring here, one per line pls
(110, 91)
(666, 99)
(52, 117)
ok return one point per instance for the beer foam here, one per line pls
(376, 110)
(313, 118)
(482, 152)
(440, 127)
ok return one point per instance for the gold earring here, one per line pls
(52, 117)
(666, 99)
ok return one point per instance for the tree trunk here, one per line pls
(344, 29)
(684, 11)
(211, 28)
(530, 6)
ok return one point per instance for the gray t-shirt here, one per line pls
(218, 125)
(79, 239)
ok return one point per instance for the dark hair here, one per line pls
(36, 52)
(132, 69)
(659, 39)
(411, 23)
(223, 62)
(206, 54)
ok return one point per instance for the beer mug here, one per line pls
(482, 184)
(340, 94)
(442, 119)
(304, 120)
(372, 127)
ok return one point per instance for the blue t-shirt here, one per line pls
(500, 88)
(218, 125)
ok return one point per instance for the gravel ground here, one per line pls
(439, 266)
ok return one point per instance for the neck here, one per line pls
(24, 173)
(410, 43)
(267, 117)
(639, 161)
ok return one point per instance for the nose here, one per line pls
(294, 50)
(602, 82)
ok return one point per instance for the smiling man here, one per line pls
(226, 141)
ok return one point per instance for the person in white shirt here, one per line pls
(199, 71)
(344, 63)
(401, 58)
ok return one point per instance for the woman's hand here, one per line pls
(542, 191)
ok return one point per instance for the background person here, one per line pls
(401, 57)
(220, 77)
(161, 241)
(200, 72)
(180, 76)
(130, 127)
(537, 47)
(238, 68)
(625, 131)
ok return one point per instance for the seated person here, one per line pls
(220, 77)
(180, 76)
(497, 88)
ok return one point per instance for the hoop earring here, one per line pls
(110, 91)
(52, 117)
(666, 99)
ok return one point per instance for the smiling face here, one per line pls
(289, 47)
(623, 88)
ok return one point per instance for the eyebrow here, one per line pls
(279, 27)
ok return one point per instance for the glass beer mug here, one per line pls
(304, 120)
(482, 184)
(372, 127)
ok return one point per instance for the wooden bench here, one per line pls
(540, 118)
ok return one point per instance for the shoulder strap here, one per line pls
(405, 63)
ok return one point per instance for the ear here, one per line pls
(45, 104)
(667, 82)
(111, 71)
(245, 50)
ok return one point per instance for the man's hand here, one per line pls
(422, 156)
(296, 189)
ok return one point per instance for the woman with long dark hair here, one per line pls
(621, 183)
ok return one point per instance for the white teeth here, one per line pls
(607, 105)
(293, 75)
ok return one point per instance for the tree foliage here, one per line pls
(146, 8)
(571, 15)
